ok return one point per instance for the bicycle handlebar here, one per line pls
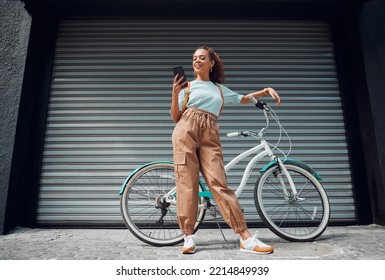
(259, 104)
(240, 133)
(233, 134)
(263, 106)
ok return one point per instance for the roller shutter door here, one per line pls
(110, 95)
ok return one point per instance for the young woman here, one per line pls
(197, 147)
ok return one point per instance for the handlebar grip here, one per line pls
(233, 134)
(259, 104)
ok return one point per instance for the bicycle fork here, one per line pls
(291, 183)
(278, 175)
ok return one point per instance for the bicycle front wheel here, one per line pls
(301, 217)
(147, 212)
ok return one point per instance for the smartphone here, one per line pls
(180, 71)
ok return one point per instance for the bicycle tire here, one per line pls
(138, 202)
(300, 220)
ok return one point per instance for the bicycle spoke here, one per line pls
(147, 213)
(295, 217)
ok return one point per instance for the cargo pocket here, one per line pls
(179, 161)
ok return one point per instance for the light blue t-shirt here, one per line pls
(206, 96)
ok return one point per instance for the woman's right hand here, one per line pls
(178, 86)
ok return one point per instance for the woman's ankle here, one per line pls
(245, 234)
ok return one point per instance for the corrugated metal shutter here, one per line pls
(110, 96)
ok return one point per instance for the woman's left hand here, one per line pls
(273, 94)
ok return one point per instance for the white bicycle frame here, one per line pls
(266, 151)
(262, 150)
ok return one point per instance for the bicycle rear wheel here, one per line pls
(294, 218)
(147, 213)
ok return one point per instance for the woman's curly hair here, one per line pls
(217, 75)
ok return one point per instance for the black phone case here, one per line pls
(180, 71)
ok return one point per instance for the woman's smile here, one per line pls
(197, 66)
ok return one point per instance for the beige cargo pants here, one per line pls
(197, 148)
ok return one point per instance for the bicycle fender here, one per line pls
(136, 170)
(293, 162)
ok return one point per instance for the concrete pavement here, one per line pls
(337, 243)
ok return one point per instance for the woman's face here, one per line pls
(201, 62)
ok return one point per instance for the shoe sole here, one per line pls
(188, 251)
(256, 252)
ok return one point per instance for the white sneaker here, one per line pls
(189, 245)
(256, 246)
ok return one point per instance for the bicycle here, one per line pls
(288, 195)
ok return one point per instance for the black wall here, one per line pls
(372, 29)
(26, 163)
(14, 35)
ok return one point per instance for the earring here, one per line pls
(211, 69)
